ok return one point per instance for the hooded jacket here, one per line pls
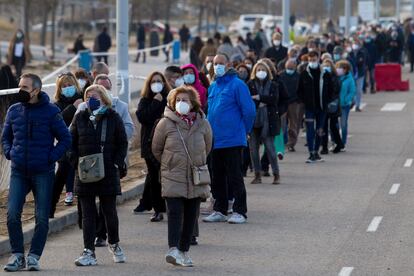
(231, 111)
(168, 149)
(348, 90)
(202, 91)
(29, 135)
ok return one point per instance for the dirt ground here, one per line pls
(136, 171)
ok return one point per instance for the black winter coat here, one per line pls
(307, 93)
(67, 108)
(148, 112)
(277, 102)
(86, 141)
(277, 54)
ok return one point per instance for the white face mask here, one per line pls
(313, 65)
(355, 47)
(276, 42)
(340, 71)
(261, 75)
(250, 66)
(208, 66)
(179, 82)
(182, 107)
(157, 87)
(310, 49)
(82, 83)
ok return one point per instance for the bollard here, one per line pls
(176, 51)
(85, 60)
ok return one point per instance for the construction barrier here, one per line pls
(388, 77)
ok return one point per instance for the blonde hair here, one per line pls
(331, 64)
(261, 63)
(106, 100)
(190, 91)
(66, 78)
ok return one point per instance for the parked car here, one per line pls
(210, 27)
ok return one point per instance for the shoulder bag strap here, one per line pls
(185, 146)
(103, 134)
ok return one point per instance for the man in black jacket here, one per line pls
(141, 42)
(277, 52)
(103, 44)
(315, 90)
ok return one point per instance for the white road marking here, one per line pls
(408, 163)
(362, 106)
(373, 226)
(394, 188)
(393, 107)
(346, 271)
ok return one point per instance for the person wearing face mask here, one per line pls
(174, 76)
(315, 91)
(208, 69)
(360, 58)
(28, 140)
(292, 56)
(182, 139)
(249, 62)
(68, 97)
(209, 49)
(19, 52)
(338, 53)
(99, 129)
(372, 57)
(394, 48)
(331, 125)
(150, 110)
(191, 78)
(269, 108)
(231, 113)
(84, 79)
(277, 52)
(290, 78)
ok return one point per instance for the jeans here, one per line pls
(344, 123)
(41, 184)
(269, 144)
(359, 88)
(228, 175)
(89, 218)
(182, 217)
(315, 121)
(65, 174)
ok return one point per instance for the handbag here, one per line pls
(91, 167)
(201, 175)
(333, 106)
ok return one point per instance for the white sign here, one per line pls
(353, 21)
(366, 10)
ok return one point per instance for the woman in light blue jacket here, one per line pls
(347, 94)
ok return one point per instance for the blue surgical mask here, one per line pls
(69, 91)
(337, 57)
(219, 70)
(327, 69)
(93, 104)
(313, 65)
(290, 71)
(189, 79)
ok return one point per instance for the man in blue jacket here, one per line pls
(231, 113)
(28, 140)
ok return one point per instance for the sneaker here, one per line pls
(174, 257)
(291, 149)
(337, 149)
(215, 217)
(117, 252)
(87, 258)
(280, 156)
(311, 159)
(237, 219)
(157, 217)
(230, 208)
(187, 262)
(140, 209)
(343, 149)
(324, 151)
(208, 210)
(69, 199)
(318, 158)
(32, 263)
(99, 242)
(15, 263)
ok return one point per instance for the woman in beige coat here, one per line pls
(183, 116)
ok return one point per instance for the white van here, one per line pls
(247, 22)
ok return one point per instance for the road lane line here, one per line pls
(408, 163)
(393, 107)
(394, 188)
(346, 271)
(373, 226)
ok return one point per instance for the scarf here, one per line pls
(188, 119)
(262, 118)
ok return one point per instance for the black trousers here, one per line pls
(105, 59)
(61, 178)
(89, 217)
(182, 217)
(334, 130)
(246, 160)
(227, 163)
(151, 197)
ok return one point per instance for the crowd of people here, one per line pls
(202, 127)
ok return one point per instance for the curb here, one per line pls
(69, 217)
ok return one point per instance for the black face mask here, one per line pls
(23, 96)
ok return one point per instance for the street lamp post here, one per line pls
(122, 37)
(286, 16)
(347, 16)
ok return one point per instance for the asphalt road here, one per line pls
(314, 223)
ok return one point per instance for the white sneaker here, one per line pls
(69, 199)
(187, 262)
(215, 217)
(117, 252)
(32, 263)
(174, 257)
(87, 258)
(230, 209)
(237, 219)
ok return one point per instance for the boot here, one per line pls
(257, 178)
(276, 179)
